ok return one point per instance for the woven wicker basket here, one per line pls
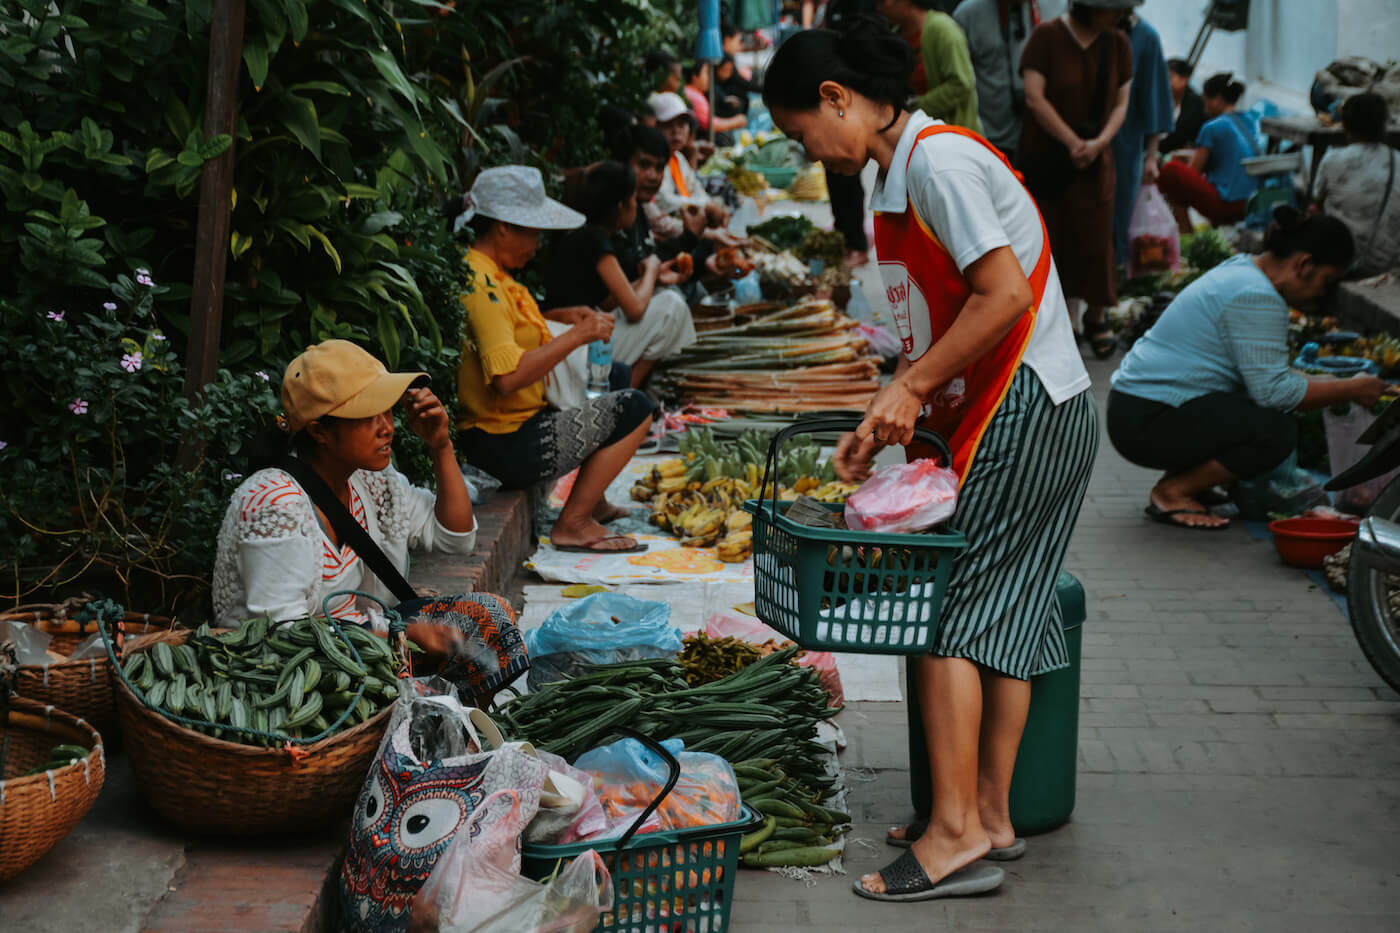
(82, 687)
(36, 812)
(209, 785)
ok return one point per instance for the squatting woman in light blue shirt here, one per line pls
(1205, 394)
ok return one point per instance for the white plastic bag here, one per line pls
(477, 887)
(904, 497)
(1154, 240)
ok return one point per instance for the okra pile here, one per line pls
(291, 680)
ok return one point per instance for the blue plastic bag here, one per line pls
(600, 629)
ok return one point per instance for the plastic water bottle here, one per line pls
(599, 367)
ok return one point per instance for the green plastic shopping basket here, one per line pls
(679, 881)
(855, 591)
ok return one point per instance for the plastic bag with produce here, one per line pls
(903, 498)
(477, 886)
(627, 776)
(600, 629)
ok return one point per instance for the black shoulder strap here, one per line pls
(347, 529)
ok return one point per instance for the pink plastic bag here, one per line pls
(1154, 240)
(476, 887)
(903, 498)
(746, 628)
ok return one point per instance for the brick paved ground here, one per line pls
(1239, 764)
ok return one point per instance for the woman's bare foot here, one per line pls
(1166, 498)
(607, 512)
(939, 855)
(590, 534)
(999, 830)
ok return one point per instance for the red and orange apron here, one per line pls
(927, 291)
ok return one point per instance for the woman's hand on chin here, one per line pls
(428, 419)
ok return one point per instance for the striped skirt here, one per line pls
(1017, 509)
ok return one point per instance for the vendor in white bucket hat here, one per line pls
(506, 425)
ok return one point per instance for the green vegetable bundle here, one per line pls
(797, 831)
(770, 708)
(292, 683)
(785, 231)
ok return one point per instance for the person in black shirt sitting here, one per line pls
(1190, 109)
(653, 319)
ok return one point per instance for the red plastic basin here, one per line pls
(1304, 542)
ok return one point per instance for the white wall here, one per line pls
(1287, 42)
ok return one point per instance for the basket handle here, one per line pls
(833, 423)
(673, 768)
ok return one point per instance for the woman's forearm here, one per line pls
(1117, 116)
(453, 506)
(535, 364)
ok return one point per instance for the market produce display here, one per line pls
(294, 681)
(807, 357)
(764, 717)
(699, 496)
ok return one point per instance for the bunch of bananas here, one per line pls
(737, 544)
(833, 491)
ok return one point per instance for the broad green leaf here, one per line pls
(326, 245)
(299, 116)
(385, 64)
(256, 58)
(157, 159)
(329, 87)
(360, 191)
(380, 220)
(295, 11)
(388, 339)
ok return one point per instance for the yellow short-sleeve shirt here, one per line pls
(503, 322)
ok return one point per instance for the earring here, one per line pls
(841, 114)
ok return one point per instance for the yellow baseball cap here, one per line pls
(341, 379)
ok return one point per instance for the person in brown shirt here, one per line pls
(1078, 70)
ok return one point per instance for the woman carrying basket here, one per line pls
(990, 363)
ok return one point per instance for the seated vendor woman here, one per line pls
(653, 319)
(1205, 395)
(507, 427)
(278, 552)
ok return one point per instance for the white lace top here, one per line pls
(275, 558)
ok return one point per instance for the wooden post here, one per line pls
(211, 246)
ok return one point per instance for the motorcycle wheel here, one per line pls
(1373, 620)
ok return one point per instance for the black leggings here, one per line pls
(1247, 439)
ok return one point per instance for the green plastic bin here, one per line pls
(1042, 787)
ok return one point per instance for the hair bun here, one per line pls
(866, 41)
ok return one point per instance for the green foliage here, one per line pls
(96, 491)
(356, 119)
(1205, 249)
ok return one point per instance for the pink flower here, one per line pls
(131, 361)
(78, 406)
(55, 315)
(4, 444)
(109, 305)
(263, 376)
(144, 280)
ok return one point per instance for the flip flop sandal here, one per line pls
(914, 830)
(1167, 517)
(592, 547)
(1102, 341)
(905, 880)
(1007, 853)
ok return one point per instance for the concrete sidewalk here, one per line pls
(1239, 763)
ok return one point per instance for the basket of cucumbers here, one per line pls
(266, 728)
(51, 770)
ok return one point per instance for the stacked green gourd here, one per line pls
(288, 681)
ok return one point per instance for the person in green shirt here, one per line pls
(943, 84)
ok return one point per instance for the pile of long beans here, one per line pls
(768, 710)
